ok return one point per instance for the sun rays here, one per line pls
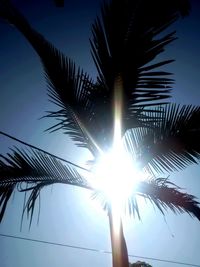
(115, 174)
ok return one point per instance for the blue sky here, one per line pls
(67, 214)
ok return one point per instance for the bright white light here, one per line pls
(116, 176)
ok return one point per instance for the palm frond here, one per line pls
(125, 43)
(166, 195)
(37, 170)
(161, 193)
(81, 101)
(71, 93)
(126, 40)
(122, 48)
(43, 151)
(69, 87)
(172, 141)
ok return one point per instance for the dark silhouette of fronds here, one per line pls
(127, 39)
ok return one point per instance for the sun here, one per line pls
(116, 176)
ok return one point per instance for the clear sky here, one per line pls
(67, 214)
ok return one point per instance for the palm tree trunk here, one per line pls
(118, 243)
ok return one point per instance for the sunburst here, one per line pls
(115, 174)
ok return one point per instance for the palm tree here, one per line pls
(159, 137)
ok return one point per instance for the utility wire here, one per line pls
(96, 250)
(39, 149)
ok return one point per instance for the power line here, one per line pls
(39, 149)
(96, 250)
(54, 243)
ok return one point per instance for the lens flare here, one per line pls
(115, 174)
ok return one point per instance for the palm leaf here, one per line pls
(81, 102)
(37, 170)
(125, 41)
(71, 93)
(69, 87)
(172, 141)
(162, 193)
(166, 195)
(125, 48)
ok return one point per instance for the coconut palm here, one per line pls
(159, 137)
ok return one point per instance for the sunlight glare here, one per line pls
(115, 174)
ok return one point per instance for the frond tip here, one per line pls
(171, 143)
(37, 170)
(166, 195)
